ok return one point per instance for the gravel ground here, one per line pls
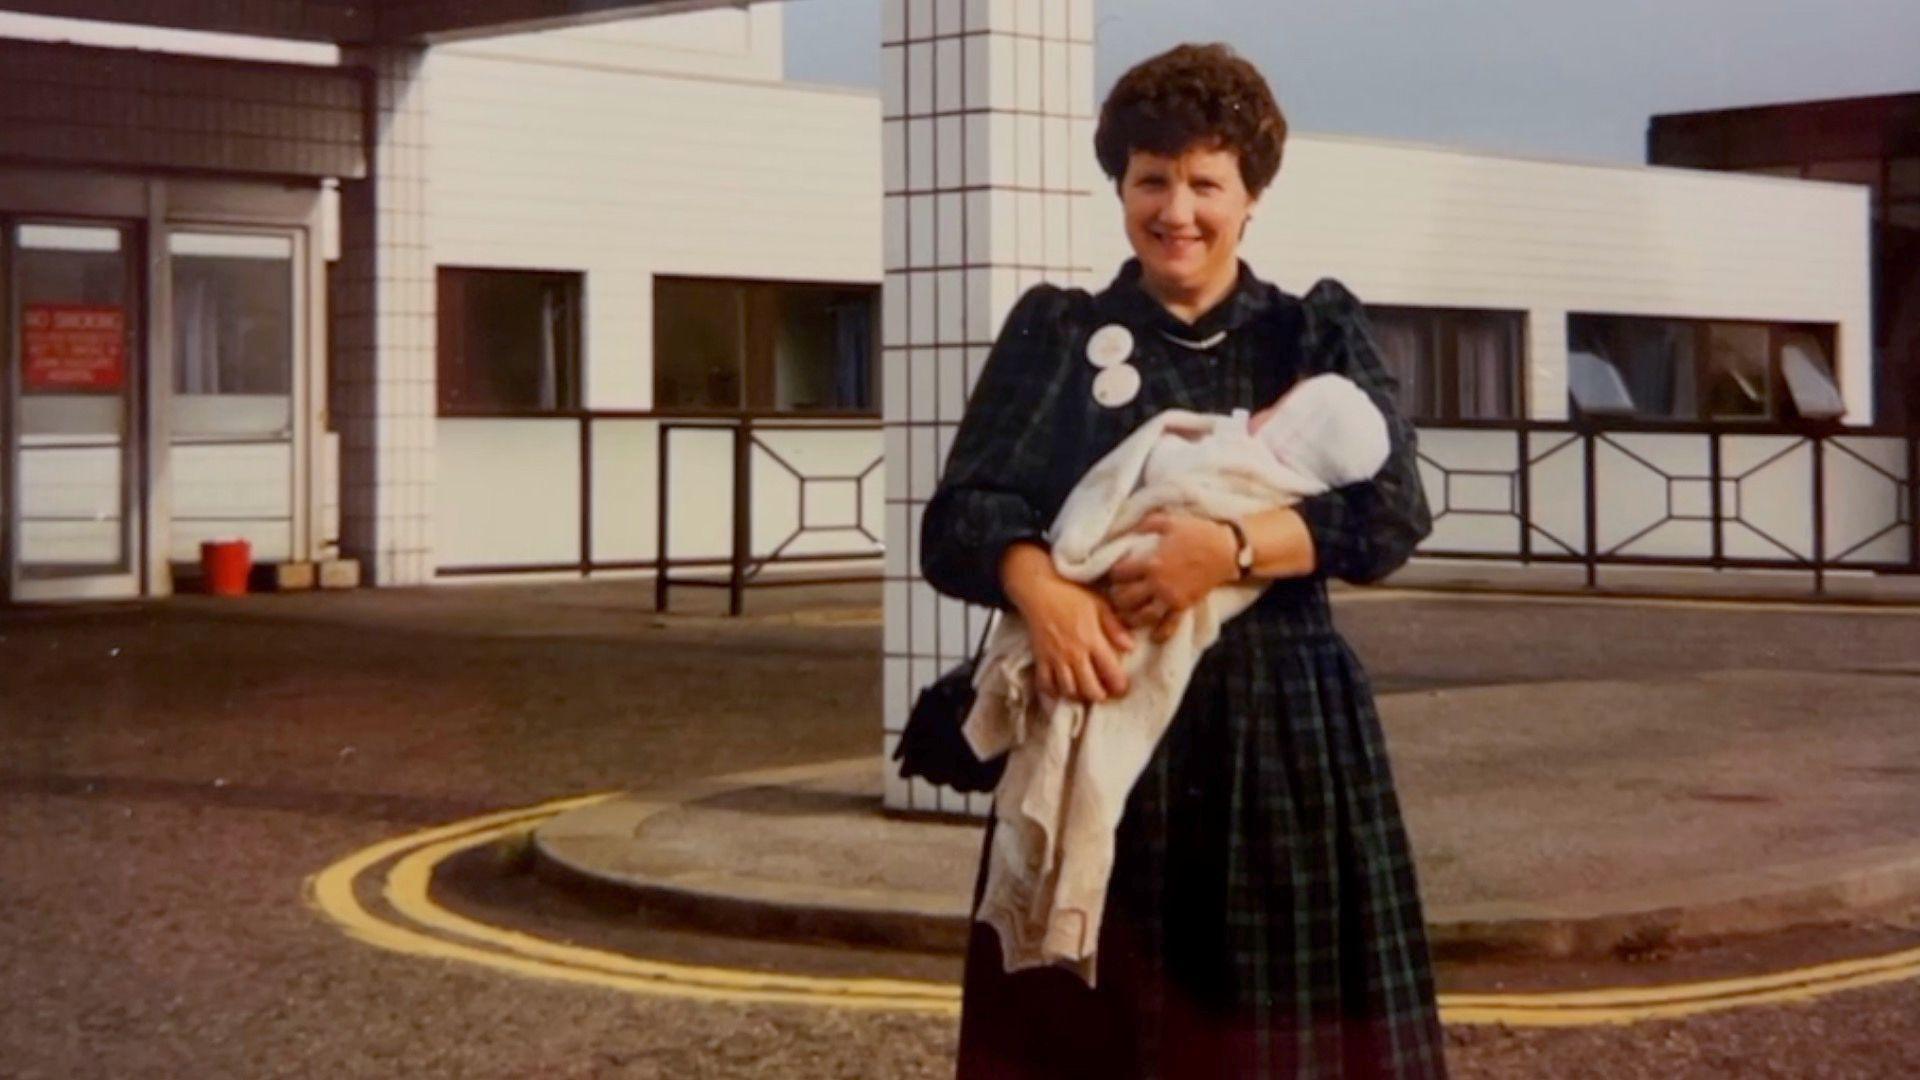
(170, 774)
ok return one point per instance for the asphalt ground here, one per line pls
(171, 775)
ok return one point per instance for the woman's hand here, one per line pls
(1195, 555)
(1077, 637)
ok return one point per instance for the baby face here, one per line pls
(1259, 420)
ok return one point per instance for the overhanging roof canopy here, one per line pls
(350, 22)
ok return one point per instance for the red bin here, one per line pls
(225, 565)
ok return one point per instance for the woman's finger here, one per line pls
(1165, 627)
(1043, 681)
(1091, 687)
(1116, 629)
(1131, 594)
(1113, 678)
(1063, 681)
(1145, 614)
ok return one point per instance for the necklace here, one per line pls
(1197, 346)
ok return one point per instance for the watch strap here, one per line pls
(1242, 547)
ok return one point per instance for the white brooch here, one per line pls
(1111, 344)
(1116, 385)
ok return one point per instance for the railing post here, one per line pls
(742, 510)
(1713, 500)
(1592, 500)
(1913, 501)
(660, 521)
(1524, 460)
(586, 495)
(1819, 514)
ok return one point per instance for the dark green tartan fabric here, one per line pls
(1264, 918)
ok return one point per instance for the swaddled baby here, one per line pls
(1069, 770)
(1323, 429)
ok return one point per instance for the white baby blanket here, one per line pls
(1071, 764)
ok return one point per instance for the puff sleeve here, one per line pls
(1363, 532)
(1000, 484)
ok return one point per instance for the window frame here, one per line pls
(1779, 395)
(757, 372)
(1443, 329)
(572, 393)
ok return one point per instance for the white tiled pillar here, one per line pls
(383, 322)
(988, 123)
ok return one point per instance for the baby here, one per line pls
(1068, 773)
(1322, 429)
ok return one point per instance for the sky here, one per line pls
(1574, 79)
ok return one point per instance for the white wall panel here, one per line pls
(626, 490)
(508, 492)
(699, 494)
(1864, 499)
(1768, 498)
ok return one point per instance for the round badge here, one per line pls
(1116, 385)
(1109, 345)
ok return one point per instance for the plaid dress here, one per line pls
(1263, 918)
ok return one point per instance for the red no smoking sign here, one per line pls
(73, 347)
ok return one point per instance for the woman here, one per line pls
(1263, 917)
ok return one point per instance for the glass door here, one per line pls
(233, 401)
(72, 506)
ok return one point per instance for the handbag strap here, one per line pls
(980, 650)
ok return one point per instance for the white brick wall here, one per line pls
(624, 176)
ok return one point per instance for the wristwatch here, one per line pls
(1242, 548)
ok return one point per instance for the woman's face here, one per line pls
(1184, 218)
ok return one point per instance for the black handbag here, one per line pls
(932, 746)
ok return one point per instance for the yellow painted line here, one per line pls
(331, 890)
(1580, 1017)
(406, 892)
(415, 856)
(1899, 964)
(1892, 608)
(331, 893)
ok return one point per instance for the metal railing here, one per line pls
(744, 568)
(1818, 499)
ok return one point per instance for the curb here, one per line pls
(572, 850)
(578, 849)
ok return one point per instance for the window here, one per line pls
(1453, 364)
(509, 341)
(1697, 369)
(762, 346)
(233, 327)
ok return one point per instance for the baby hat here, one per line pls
(1326, 427)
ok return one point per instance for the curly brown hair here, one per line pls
(1188, 96)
